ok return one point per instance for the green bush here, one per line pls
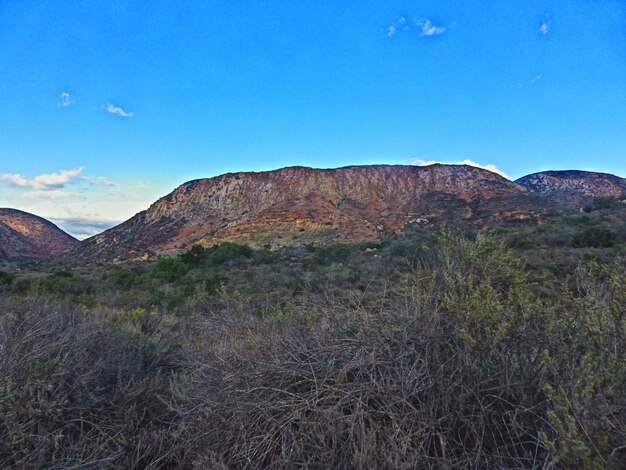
(6, 279)
(194, 257)
(169, 269)
(595, 237)
(123, 278)
(600, 203)
(216, 255)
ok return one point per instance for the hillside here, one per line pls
(27, 237)
(573, 188)
(297, 206)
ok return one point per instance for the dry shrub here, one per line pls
(461, 366)
(473, 372)
(84, 391)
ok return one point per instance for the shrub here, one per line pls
(169, 269)
(194, 256)
(78, 391)
(6, 279)
(226, 252)
(600, 203)
(123, 278)
(216, 255)
(461, 358)
(595, 237)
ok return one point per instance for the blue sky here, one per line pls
(106, 106)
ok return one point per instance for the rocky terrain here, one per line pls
(27, 237)
(573, 188)
(297, 205)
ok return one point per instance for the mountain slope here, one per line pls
(27, 237)
(297, 205)
(573, 188)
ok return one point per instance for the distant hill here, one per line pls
(27, 237)
(297, 205)
(573, 188)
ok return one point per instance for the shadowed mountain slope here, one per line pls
(27, 237)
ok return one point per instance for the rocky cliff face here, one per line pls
(27, 237)
(573, 188)
(297, 205)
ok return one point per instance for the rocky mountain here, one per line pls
(573, 188)
(298, 205)
(27, 237)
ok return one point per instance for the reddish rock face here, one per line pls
(573, 188)
(296, 206)
(27, 237)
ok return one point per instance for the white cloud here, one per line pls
(51, 194)
(66, 99)
(109, 108)
(99, 181)
(533, 81)
(489, 167)
(80, 204)
(57, 180)
(84, 226)
(425, 27)
(41, 182)
(396, 25)
(544, 28)
(429, 29)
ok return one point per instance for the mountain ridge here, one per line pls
(300, 205)
(28, 237)
(573, 188)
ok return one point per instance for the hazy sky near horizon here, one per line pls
(106, 106)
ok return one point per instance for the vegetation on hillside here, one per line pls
(440, 351)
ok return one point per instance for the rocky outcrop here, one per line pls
(298, 205)
(573, 188)
(27, 237)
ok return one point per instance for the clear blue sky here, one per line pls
(146, 95)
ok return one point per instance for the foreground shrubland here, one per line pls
(457, 360)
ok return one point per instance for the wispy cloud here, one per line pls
(53, 194)
(83, 205)
(84, 225)
(426, 27)
(99, 181)
(110, 108)
(429, 29)
(41, 182)
(489, 167)
(544, 28)
(66, 99)
(396, 25)
(533, 81)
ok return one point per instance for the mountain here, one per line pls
(27, 237)
(298, 205)
(573, 188)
